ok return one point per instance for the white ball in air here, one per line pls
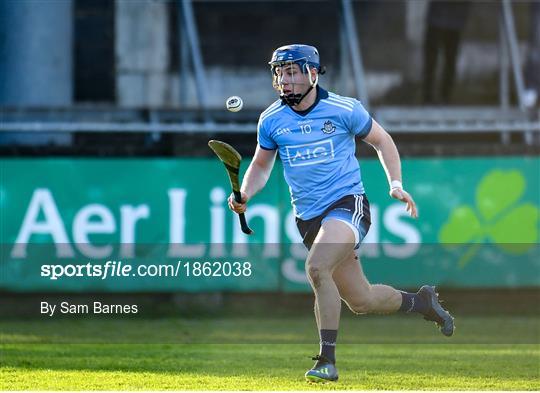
(234, 103)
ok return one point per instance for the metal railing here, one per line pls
(394, 119)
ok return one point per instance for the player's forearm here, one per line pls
(255, 178)
(389, 157)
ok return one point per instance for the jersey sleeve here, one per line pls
(361, 121)
(264, 138)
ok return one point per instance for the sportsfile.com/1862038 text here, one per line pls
(112, 269)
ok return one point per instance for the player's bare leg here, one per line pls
(334, 241)
(317, 317)
(363, 297)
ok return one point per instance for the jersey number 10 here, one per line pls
(306, 129)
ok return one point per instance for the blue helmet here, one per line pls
(296, 53)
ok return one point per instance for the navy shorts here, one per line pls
(353, 210)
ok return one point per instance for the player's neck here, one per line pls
(307, 101)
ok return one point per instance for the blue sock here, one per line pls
(328, 344)
(412, 302)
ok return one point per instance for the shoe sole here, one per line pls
(448, 326)
(315, 379)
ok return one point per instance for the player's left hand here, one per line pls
(403, 196)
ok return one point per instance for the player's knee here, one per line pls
(316, 273)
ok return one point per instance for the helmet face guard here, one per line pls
(282, 63)
(286, 73)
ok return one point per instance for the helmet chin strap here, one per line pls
(295, 99)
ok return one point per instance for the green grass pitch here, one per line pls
(379, 352)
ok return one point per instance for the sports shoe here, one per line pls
(436, 313)
(323, 371)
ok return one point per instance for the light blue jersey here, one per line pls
(317, 149)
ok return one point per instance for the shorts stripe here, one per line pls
(355, 209)
(353, 220)
(359, 210)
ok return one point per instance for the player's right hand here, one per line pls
(403, 196)
(238, 207)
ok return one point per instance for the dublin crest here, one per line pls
(328, 127)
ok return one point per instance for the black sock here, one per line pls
(412, 302)
(328, 344)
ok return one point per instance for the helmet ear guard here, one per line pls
(311, 82)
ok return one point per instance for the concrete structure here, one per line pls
(36, 53)
(142, 54)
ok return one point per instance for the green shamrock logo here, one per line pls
(498, 217)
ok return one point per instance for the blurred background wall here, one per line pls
(129, 53)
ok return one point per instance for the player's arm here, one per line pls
(255, 178)
(388, 154)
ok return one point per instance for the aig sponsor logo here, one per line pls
(310, 153)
